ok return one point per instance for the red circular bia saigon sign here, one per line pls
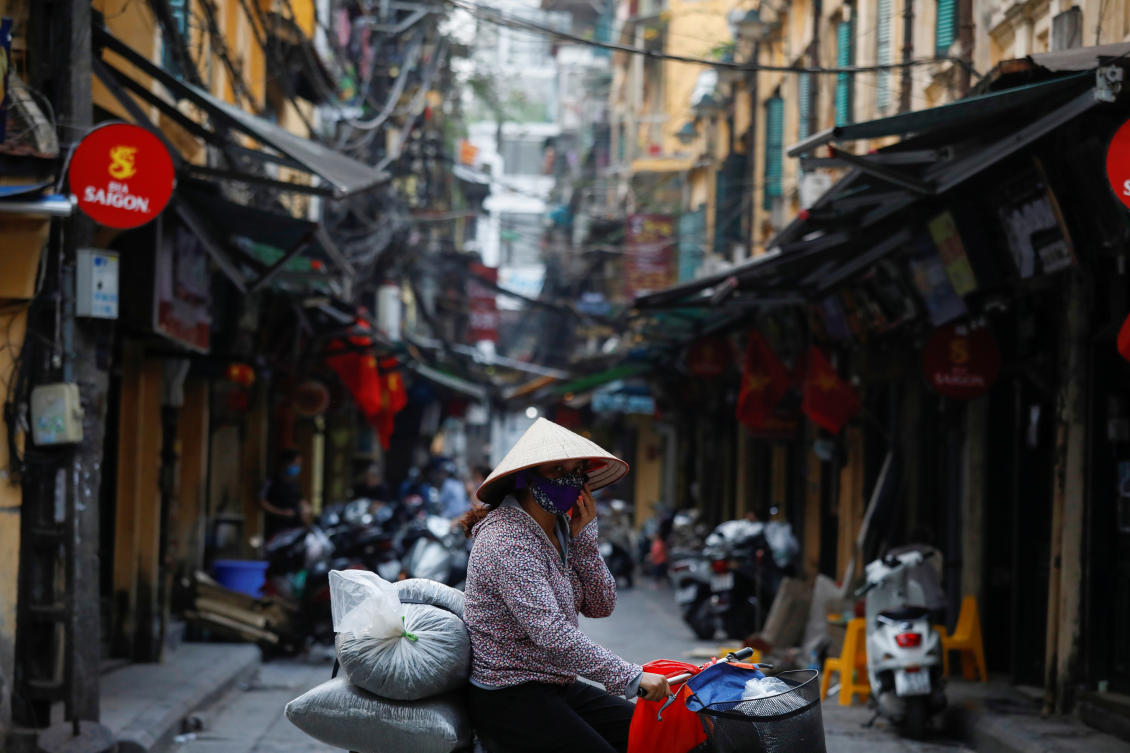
(122, 175)
(1118, 163)
(961, 361)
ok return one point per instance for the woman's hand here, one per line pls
(584, 512)
(655, 687)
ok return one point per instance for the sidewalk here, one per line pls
(145, 704)
(999, 718)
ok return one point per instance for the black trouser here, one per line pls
(540, 718)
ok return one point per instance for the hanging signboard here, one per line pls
(943, 229)
(1118, 163)
(961, 361)
(182, 300)
(121, 175)
(482, 304)
(649, 254)
(1033, 223)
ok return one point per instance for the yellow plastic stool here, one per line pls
(851, 665)
(723, 651)
(966, 638)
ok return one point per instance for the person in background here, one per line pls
(453, 501)
(372, 487)
(478, 475)
(658, 557)
(281, 498)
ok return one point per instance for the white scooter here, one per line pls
(904, 653)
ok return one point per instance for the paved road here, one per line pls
(645, 626)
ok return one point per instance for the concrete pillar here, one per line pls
(1068, 500)
(973, 498)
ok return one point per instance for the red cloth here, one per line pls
(764, 382)
(680, 730)
(828, 400)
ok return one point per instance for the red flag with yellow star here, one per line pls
(828, 400)
(764, 382)
(357, 370)
(393, 399)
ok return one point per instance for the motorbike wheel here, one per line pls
(700, 617)
(917, 717)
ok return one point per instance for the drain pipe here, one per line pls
(907, 54)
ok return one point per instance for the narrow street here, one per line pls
(645, 626)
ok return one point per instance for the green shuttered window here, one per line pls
(946, 29)
(179, 10)
(774, 150)
(883, 55)
(844, 81)
(804, 104)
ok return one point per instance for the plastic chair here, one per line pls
(851, 665)
(966, 638)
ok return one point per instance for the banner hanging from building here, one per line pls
(482, 304)
(649, 253)
(121, 175)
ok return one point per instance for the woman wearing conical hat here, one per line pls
(534, 566)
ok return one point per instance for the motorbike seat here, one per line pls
(904, 614)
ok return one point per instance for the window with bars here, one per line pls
(179, 10)
(774, 151)
(884, 55)
(845, 55)
(803, 103)
(945, 31)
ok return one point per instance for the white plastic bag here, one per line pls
(364, 603)
(762, 687)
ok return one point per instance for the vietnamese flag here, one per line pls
(764, 382)
(357, 370)
(828, 400)
(393, 399)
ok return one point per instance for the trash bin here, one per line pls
(245, 576)
(789, 722)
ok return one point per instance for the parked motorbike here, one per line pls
(690, 575)
(748, 559)
(433, 549)
(904, 654)
(298, 564)
(616, 535)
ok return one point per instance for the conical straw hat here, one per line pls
(547, 442)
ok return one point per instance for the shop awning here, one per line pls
(253, 246)
(344, 175)
(30, 199)
(452, 382)
(852, 225)
(960, 114)
(592, 381)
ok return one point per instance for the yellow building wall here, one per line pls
(648, 469)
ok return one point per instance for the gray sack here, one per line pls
(343, 716)
(436, 661)
(431, 656)
(427, 591)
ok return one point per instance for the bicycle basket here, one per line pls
(788, 722)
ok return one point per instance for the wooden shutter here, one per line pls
(946, 27)
(844, 81)
(774, 150)
(883, 55)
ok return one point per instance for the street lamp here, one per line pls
(751, 28)
(687, 134)
(707, 106)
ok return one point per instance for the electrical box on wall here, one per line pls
(96, 284)
(56, 414)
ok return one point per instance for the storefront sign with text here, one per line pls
(1118, 163)
(961, 361)
(121, 175)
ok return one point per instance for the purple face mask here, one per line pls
(554, 495)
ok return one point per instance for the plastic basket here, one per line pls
(788, 722)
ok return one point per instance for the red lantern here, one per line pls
(241, 374)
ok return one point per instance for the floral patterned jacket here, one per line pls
(523, 597)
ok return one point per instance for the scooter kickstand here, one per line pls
(870, 723)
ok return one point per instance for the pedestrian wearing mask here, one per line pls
(281, 498)
(533, 567)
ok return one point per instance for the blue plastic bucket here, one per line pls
(246, 576)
